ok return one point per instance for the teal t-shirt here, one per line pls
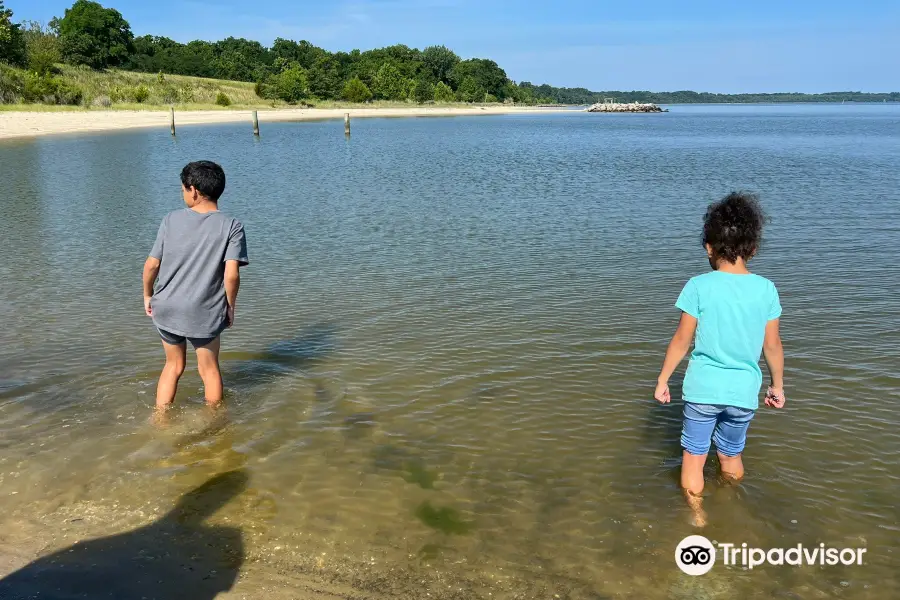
(731, 311)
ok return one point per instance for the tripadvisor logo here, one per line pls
(696, 555)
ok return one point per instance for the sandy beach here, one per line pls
(29, 124)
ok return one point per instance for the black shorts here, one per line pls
(177, 340)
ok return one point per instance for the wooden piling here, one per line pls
(173, 121)
(255, 123)
(346, 123)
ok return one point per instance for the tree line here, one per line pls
(100, 38)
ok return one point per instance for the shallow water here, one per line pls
(446, 345)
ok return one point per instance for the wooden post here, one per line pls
(173, 121)
(346, 123)
(255, 124)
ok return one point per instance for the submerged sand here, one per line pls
(27, 124)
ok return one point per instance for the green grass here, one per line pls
(121, 88)
(127, 90)
(114, 89)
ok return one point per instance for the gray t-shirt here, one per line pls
(189, 297)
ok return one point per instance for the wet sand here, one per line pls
(30, 124)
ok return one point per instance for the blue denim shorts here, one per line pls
(726, 425)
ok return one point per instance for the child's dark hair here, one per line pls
(206, 177)
(733, 226)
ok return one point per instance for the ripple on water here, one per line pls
(447, 341)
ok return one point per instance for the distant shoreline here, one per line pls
(25, 124)
(30, 124)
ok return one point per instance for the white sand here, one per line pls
(28, 124)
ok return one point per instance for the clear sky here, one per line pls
(660, 45)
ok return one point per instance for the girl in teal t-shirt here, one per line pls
(732, 316)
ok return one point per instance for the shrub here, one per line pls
(356, 91)
(186, 94)
(68, 93)
(102, 102)
(50, 90)
(490, 98)
(222, 99)
(169, 94)
(140, 94)
(443, 93)
(12, 87)
(160, 78)
(118, 94)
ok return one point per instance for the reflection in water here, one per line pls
(177, 556)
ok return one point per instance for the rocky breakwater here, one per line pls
(630, 107)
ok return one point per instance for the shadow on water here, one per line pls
(662, 428)
(286, 357)
(177, 556)
(248, 373)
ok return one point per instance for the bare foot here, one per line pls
(695, 502)
(698, 518)
(160, 417)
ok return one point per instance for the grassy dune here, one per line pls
(123, 89)
(114, 89)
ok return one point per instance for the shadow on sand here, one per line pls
(177, 556)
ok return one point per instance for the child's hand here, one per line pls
(775, 397)
(662, 394)
(147, 309)
(230, 316)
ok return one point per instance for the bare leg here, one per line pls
(208, 365)
(732, 467)
(171, 373)
(692, 484)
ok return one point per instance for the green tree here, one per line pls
(443, 93)
(440, 60)
(302, 52)
(470, 91)
(12, 44)
(325, 78)
(422, 91)
(233, 65)
(95, 36)
(390, 83)
(292, 84)
(356, 91)
(487, 75)
(41, 48)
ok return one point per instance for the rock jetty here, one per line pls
(630, 107)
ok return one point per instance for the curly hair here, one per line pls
(733, 226)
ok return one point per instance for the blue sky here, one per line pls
(704, 45)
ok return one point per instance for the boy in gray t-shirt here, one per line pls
(194, 265)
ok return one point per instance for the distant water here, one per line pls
(441, 376)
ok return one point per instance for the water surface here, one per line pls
(441, 376)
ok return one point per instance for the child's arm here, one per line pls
(678, 349)
(774, 353)
(151, 271)
(232, 285)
